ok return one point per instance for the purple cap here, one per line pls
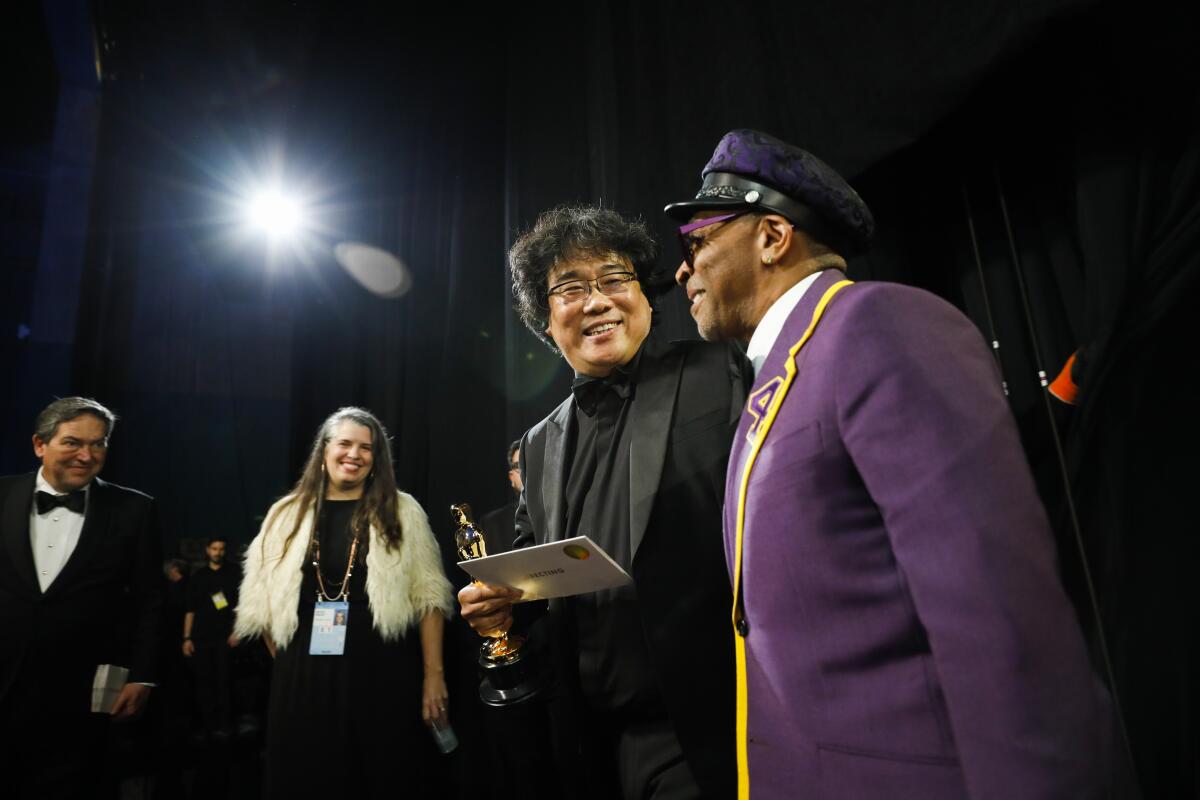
(751, 169)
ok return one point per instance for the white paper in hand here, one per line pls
(555, 569)
(106, 685)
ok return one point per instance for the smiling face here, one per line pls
(720, 282)
(75, 453)
(349, 455)
(600, 331)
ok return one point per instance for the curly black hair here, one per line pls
(571, 232)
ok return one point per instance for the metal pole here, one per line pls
(1066, 480)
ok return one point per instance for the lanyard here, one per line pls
(343, 586)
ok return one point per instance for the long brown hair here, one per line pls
(377, 507)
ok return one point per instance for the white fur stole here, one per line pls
(402, 584)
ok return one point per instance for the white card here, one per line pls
(554, 569)
(107, 683)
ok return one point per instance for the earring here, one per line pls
(767, 259)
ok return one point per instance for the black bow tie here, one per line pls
(589, 391)
(72, 501)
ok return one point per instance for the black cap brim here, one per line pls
(684, 210)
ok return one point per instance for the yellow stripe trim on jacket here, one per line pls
(764, 427)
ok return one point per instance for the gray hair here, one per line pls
(68, 408)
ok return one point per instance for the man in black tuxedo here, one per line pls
(80, 586)
(635, 459)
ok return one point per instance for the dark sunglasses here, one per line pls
(688, 243)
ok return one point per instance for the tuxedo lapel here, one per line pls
(649, 430)
(14, 527)
(91, 537)
(554, 477)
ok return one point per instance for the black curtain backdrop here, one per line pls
(439, 138)
(245, 346)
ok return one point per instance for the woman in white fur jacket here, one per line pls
(343, 570)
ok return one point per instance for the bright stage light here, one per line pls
(271, 212)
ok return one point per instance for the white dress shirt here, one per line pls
(53, 535)
(770, 326)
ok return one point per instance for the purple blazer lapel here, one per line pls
(775, 363)
(733, 481)
(774, 369)
(768, 380)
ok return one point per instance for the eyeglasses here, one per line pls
(574, 291)
(690, 244)
(514, 467)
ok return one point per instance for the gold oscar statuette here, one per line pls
(508, 676)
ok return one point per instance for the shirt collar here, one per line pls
(770, 326)
(43, 485)
(588, 390)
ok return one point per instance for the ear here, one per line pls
(39, 447)
(776, 238)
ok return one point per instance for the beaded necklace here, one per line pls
(343, 586)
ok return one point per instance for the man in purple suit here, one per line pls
(901, 628)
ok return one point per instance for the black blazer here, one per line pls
(688, 399)
(104, 607)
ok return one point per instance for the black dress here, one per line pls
(346, 726)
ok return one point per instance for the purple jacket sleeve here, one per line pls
(922, 415)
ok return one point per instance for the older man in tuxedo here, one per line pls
(900, 626)
(635, 459)
(80, 587)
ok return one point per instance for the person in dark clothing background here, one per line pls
(499, 524)
(209, 640)
(176, 571)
